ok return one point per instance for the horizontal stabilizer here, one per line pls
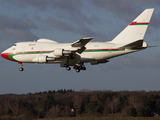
(138, 43)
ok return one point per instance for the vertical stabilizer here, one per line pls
(136, 30)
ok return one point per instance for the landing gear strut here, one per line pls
(21, 68)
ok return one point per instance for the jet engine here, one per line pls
(58, 52)
(43, 59)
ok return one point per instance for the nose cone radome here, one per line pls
(3, 54)
(6, 55)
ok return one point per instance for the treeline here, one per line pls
(69, 103)
(54, 91)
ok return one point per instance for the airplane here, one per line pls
(82, 51)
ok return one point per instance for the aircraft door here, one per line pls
(110, 49)
(41, 51)
(23, 51)
(23, 56)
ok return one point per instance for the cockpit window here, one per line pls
(15, 45)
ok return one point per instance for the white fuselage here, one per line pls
(77, 53)
(27, 52)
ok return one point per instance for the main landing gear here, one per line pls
(79, 67)
(67, 67)
(21, 68)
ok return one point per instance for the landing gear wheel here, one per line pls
(65, 65)
(21, 69)
(80, 67)
(68, 68)
(75, 67)
(83, 68)
(77, 70)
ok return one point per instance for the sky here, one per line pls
(67, 21)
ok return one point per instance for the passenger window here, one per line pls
(14, 45)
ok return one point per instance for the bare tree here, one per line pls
(53, 112)
(114, 104)
(135, 101)
(77, 101)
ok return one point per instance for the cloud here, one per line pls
(17, 23)
(127, 10)
(16, 28)
(69, 15)
(57, 24)
(131, 62)
(53, 23)
(139, 62)
(17, 34)
(60, 11)
(44, 4)
(155, 20)
(149, 2)
(123, 9)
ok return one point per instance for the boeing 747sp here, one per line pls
(82, 51)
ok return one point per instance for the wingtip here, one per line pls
(88, 38)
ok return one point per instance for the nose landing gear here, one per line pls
(21, 68)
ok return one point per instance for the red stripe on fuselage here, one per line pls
(100, 49)
(133, 23)
(34, 52)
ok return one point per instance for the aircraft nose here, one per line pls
(5, 55)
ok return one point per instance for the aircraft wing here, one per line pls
(82, 42)
(79, 45)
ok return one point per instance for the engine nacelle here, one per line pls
(43, 59)
(40, 59)
(97, 62)
(58, 52)
(61, 52)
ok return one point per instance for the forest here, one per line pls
(84, 103)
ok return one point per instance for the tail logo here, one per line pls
(139, 23)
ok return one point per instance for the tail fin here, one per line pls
(136, 30)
